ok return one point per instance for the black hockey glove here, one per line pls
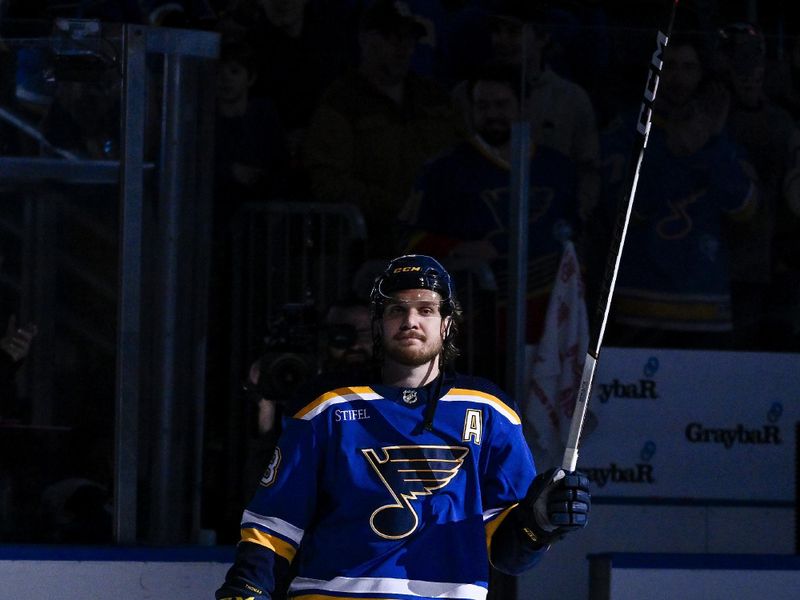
(245, 592)
(557, 503)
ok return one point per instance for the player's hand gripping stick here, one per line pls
(557, 503)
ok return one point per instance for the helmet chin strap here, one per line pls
(433, 399)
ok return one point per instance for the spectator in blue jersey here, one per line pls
(765, 268)
(377, 125)
(460, 205)
(674, 284)
(559, 110)
(406, 482)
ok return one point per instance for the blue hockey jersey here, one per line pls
(370, 504)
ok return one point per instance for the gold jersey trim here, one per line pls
(277, 545)
(465, 395)
(337, 396)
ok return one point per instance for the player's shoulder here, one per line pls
(478, 383)
(483, 392)
(327, 388)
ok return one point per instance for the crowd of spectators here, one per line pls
(380, 111)
(350, 100)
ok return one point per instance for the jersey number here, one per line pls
(271, 472)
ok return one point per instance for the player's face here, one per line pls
(494, 108)
(413, 327)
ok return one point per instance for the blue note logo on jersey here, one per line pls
(409, 472)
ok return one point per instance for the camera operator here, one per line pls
(346, 346)
(343, 343)
(348, 335)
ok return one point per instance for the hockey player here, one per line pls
(406, 485)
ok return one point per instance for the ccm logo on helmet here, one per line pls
(406, 269)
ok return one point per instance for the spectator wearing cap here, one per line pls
(377, 124)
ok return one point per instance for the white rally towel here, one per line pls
(555, 365)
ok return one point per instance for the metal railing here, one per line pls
(120, 292)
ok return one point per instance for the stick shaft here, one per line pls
(570, 459)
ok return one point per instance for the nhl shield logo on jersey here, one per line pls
(409, 472)
(271, 472)
(409, 396)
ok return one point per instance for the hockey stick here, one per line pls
(570, 460)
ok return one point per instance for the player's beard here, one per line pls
(413, 356)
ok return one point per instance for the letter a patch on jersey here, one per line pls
(271, 472)
(409, 472)
(473, 426)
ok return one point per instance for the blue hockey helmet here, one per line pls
(413, 272)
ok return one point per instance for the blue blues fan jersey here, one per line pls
(370, 504)
(675, 272)
(465, 195)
